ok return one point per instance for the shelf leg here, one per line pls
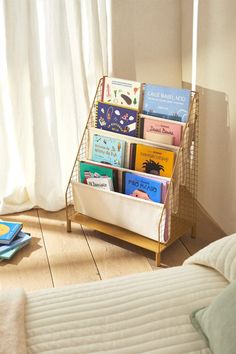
(158, 259)
(68, 225)
(194, 231)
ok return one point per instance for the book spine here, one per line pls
(137, 132)
(132, 155)
(123, 181)
(115, 179)
(141, 98)
(141, 126)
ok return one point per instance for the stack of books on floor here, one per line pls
(12, 239)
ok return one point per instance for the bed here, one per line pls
(142, 313)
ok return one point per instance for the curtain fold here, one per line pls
(52, 54)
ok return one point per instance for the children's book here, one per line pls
(9, 254)
(151, 159)
(91, 170)
(161, 130)
(142, 187)
(117, 119)
(121, 92)
(21, 238)
(164, 186)
(166, 102)
(104, 183)
(159, 138)
(108, 150)
(8, 230)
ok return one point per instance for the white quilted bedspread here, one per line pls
(143, 313)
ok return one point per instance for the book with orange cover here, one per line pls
(152, 159)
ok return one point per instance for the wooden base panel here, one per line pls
(131, 237)
(118, 232)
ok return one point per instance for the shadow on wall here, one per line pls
(144, 47)
(214, 168)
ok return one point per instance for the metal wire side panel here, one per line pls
(179, 215)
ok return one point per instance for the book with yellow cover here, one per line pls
(151, 159)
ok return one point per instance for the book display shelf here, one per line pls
(152, 226)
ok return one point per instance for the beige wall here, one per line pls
(216, 80)
(146, 38)
(152, 42)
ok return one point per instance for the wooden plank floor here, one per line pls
(55, 258)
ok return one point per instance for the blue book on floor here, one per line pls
(21, 238)
(8, 230)
(10, 253)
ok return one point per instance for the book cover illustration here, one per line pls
(166, 102)
(108, 150)
(153, 160)
(20, 239)
(142, 187)
(121, 92)
(90, 170)
(117, 119)
(104, 183)
(161, 131)
(8, 230)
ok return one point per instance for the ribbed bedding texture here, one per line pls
(143, 313)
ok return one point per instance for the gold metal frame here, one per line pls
(179, 212)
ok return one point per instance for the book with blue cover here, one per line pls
(20, 239)
(10, 253)
(108, 150)
(117, 119)
(166, 102)
(8, 230)
(142, 187)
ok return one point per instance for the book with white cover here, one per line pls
(121, 92)
(104, 183)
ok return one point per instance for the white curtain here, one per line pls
(52, 54)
